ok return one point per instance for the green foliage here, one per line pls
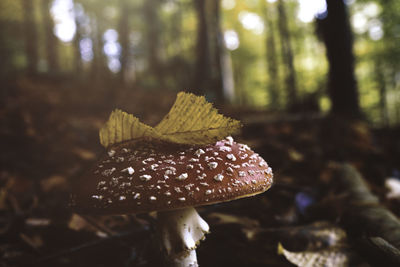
(10, 10)
(11, 37)
(378, 59)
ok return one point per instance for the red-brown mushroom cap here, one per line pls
(147, 175)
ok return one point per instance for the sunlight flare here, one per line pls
(63, 15)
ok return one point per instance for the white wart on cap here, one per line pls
(143, 176)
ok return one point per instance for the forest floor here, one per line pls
(49, 137)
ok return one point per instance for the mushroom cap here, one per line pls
(150, 175)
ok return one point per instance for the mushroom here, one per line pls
(141, 176)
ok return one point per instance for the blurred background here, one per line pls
(260, 54)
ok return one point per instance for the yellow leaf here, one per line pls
(326, 257)
(122, 126)
(295, 155)
(191, 120)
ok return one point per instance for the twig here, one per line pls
(98, 226)
(363, 216)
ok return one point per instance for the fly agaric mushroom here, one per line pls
(141, 176)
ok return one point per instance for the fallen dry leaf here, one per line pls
(191, 120)
(53, 182)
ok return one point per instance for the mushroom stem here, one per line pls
(180, 232)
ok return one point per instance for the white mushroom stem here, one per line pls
(180, 232)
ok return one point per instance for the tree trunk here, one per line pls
(51, 39)
(176, 27)
(99, 64)
(124, 38)
(337, 36)
(77, 47)
(380, 79)
(31, 39)
(218, 85)
(176, 60)
(228, 81)
(272, 61)
(202, 72)
(153, 32)
(287, 56)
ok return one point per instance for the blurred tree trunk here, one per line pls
(153, 32)
(99, 60)
(228, 78)
(77, 47)
(202, 71)
(217, 74)
(272, 61)
(123, 29)
(380, 79)
(176, 27)
(31, 38)
(177, 62)
(287, 56)
(337, 36)
(51, 39)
